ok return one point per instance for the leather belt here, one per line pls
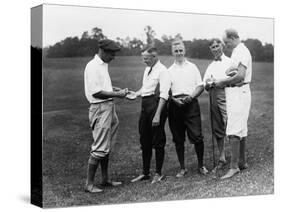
(145, 97)
(107, 100)
(238, 85)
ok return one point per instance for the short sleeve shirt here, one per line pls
(184, 78)
(96, 79)
(242, 55)
(216, 69)
(159, 74)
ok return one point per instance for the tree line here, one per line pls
(87, 46)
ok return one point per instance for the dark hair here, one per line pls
(214, 40)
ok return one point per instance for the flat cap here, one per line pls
(109, 45)
(149, 51)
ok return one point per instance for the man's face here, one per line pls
(178, 51)
(149, 60)
(229, 42)
(107, 56)
(216, 49)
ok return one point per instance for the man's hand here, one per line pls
(156, 120)
(122, 93)
(219, 84)
(187, 99)
(209, 83)
(179, 102)
(231, 71)
(131, 95)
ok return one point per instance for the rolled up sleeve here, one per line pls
(92, 81)
(165, 84)
(240, 57)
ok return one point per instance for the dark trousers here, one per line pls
(186, 119)
(152, 137)
(218, 112)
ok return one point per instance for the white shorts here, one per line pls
(238, 103)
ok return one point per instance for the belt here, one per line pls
(238, 85)
(181, 95)
(107, 100)
(146, 97)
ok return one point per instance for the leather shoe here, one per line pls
(230, 173)
(203, 170)
(140, 178)
(220, 165)
(157, 178)
(181, 173)
(111, 183)
(243, 166)
(92, 189)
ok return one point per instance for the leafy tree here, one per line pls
(97, 34)
(197, 48)
(150, 34)
(255, 47)
(85, 35)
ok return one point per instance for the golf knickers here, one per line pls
(104, 123)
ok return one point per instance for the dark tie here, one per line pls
(150, 70)
(157, 89)
(218, 59)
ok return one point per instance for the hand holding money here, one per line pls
(231, 71)
(131, 95)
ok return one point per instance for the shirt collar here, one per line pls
(154, 66)
(185, 62)
(221, 58)
(99, 60)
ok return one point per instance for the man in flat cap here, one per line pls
(216, 71)
(154, 93)
(102, 115)
(238, 100)
(183, 110)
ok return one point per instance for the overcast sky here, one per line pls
(60, 22)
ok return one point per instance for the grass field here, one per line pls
(67, 139)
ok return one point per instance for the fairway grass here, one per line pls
(67, 140)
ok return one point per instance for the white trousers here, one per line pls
(238, 103)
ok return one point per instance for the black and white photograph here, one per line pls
(136, 106)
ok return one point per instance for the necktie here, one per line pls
(149, 70)
(218, 59)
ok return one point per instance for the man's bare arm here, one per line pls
(237, 78)
(197, 92)
(156, 118)
(111, 94)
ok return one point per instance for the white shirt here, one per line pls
(242, 55)
(96, 79)
(159, 74)
(184, 78)
(217, 69)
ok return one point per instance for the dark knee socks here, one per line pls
(234, 143)
(104, 168)
(242, 151)
(180, 154)
(146, 158)
(91, 170)
(159, 156)
(199, 149)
